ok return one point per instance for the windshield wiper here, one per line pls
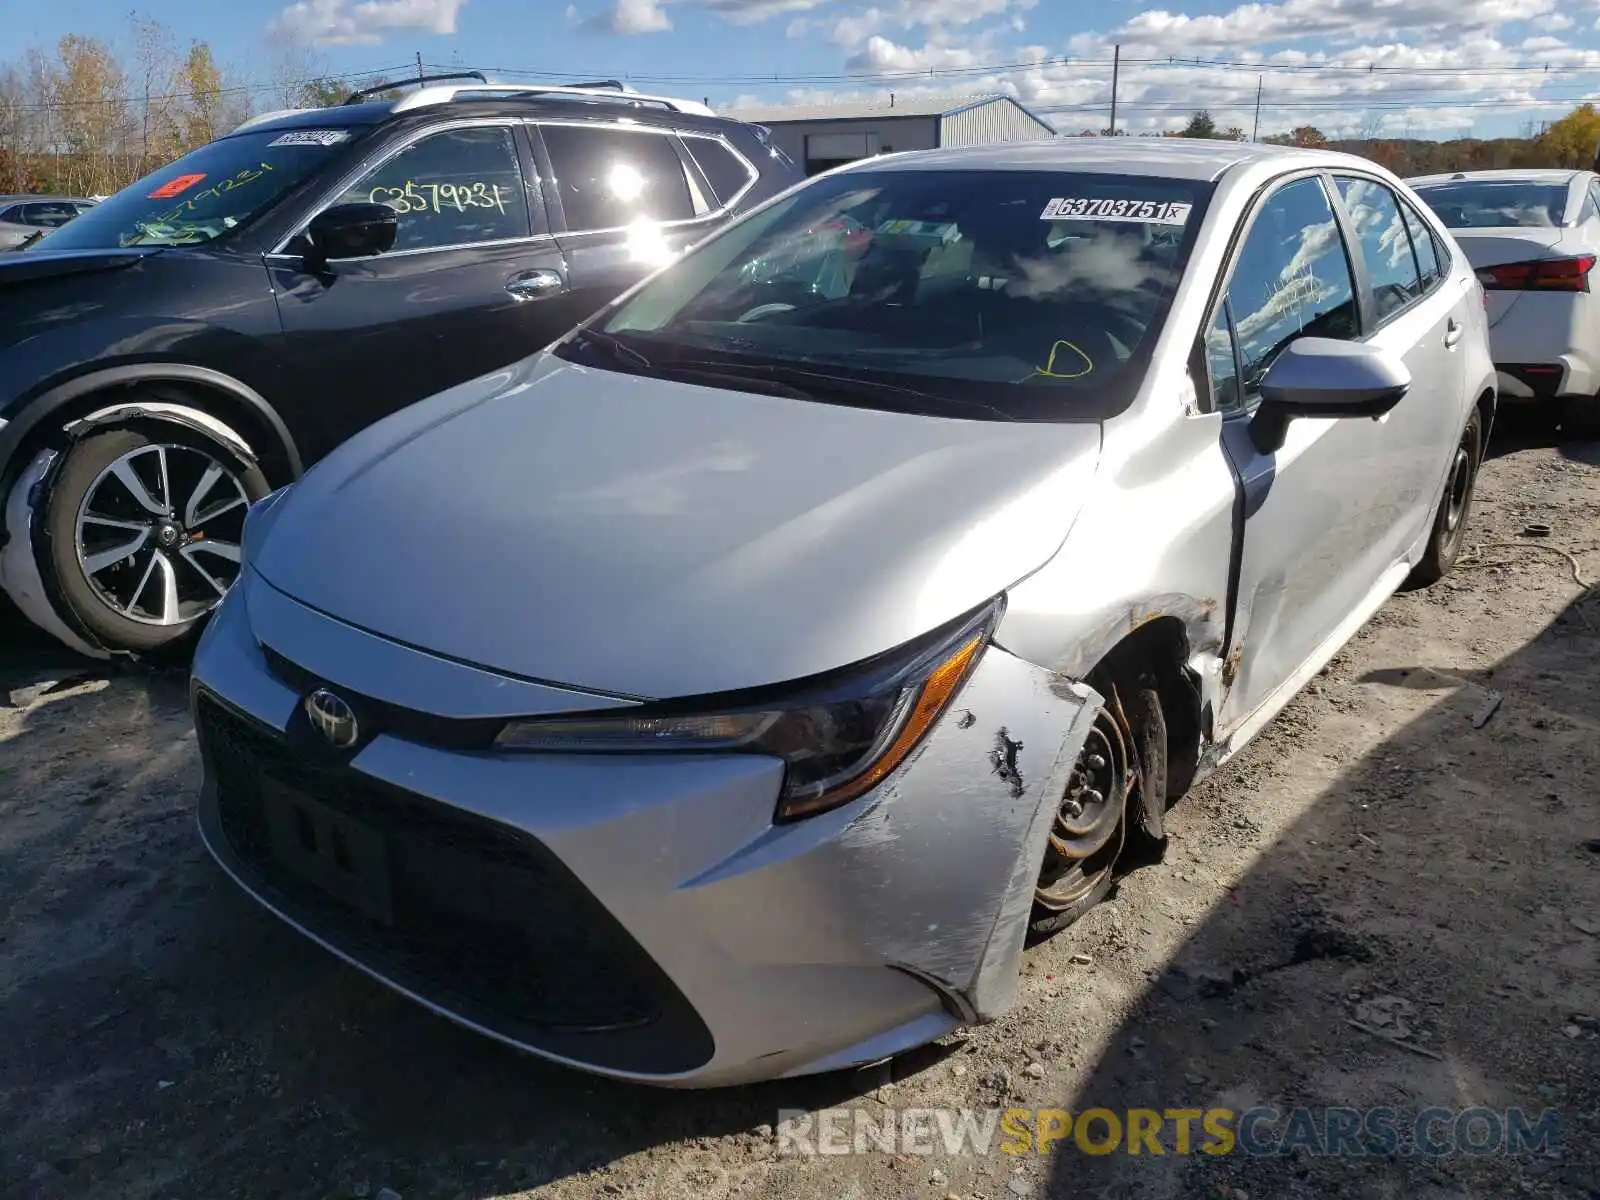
(613, 346)
(812, 384)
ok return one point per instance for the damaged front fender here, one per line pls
(20, 577)
(935, 877)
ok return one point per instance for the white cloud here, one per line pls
(1339, 20)
(363, 22)
(748, 12)
(628, 17)
(1350, 67)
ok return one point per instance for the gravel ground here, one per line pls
(1396, 849)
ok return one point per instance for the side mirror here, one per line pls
(1322, 377)
(353, 231)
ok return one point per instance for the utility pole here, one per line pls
(1116, 69)
(1255, 130)
(419, 64)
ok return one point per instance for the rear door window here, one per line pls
(1428, 265)
(609, 178)
(1385, 245)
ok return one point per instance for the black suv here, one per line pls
(194, 341)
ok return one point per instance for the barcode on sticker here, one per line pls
(311, 137)
(1145, 212)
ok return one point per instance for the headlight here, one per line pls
(839, 734)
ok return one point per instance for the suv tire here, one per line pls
(174, 500)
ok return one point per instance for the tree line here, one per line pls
(86, 118)
(1569, 142)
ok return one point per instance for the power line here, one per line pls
(234, 90)
(1591, 67)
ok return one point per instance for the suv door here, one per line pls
(1319, 513)
(460, 294)
(627, 199)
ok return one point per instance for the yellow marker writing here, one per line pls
(1049, 370)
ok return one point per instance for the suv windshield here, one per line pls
(205, 193)
(1022, 295)
(1496, 204)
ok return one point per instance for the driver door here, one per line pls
(1318, 511)
(468, 287)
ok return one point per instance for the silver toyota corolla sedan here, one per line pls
(725, 691)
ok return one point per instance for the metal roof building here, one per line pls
(820, 136)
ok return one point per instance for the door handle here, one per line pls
(536, 285)
(1452, 334)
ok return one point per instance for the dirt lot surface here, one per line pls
(1396, 849)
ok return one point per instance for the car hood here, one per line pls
(38, 263)
(651, 539)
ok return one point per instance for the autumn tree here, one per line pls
(1309, 137)
(155, 70)
(201, 116)
(95, 121)
(1574, 139)
(323, 93)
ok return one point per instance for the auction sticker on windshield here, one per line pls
(311, 137)
(175, 187)
(1143, 212)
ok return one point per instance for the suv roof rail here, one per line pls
(263, 118)
(358, 96)
(610, 91)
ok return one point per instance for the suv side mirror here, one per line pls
(1323, 377)
(353, 231)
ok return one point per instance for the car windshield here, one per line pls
(204, 194)
(1496, 203)
(1027, 295)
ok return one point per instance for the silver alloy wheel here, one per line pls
(158, 533)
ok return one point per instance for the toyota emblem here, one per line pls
(333, 718)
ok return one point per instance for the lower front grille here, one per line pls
(474, 916)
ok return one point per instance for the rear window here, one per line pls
(1496, 204)
(723, 169)
(1037, 294)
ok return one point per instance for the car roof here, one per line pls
(602, 106)
(1512, 175)
(28, 198)
(1171, 158)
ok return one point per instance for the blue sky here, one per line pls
(1417, 67)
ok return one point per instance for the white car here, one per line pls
(725, 691)
(1534, 238)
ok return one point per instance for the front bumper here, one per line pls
(638, 916)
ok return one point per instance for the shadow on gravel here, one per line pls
(1482, 980)
(1525, 429)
